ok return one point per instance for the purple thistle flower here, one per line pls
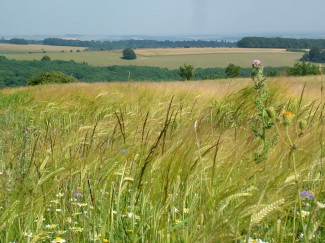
(257, 63)
(307, 194)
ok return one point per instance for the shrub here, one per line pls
(129, 54)
(50, 78)
(45, 58)
(232, 71)
(303, 69)
(187, 72)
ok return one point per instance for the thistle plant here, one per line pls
(265, 116)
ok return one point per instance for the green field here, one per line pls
(163, 162)
(167, 58)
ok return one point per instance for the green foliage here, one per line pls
(232, 71)
(315, 55)
(45, 58)
(16, 73)
(304, 69)
(18, 41)
(53, 77)
(122, 44)
(186, 72)
(129, 54)
(286, 43)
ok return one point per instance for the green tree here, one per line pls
(129, 54)
(186, 72)
(45, 58)
(50, 78)
(303, 69)
(232, 71)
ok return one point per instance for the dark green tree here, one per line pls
(303, 69)
(187, 72)
(232, 71)
(129, 54)
(18, 41)
(45, 58)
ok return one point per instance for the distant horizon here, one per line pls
(193, 36)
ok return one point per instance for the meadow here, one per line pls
(171, 58)
(231, 160)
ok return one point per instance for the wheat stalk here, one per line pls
(261, 214)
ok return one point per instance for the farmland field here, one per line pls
(166, 58)
(36, 48)
(163, 162)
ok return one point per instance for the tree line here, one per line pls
(277, 42)
(122, 44)
(246, 42)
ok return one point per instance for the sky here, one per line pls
(160, 17)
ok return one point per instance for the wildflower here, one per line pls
(177, 221)
(58, 210)
(105, 241)
(50, 226)
(96, 237)
(77, 229)
(287, 117)
(175, 210)
(82, 204)
(257, 63)
(56, 201)
(307, 194)
(114, 212)
(320, 205)
(250, 240)
(186, 210)
(58, 240)
(304, 213)
(60, 194)
(68, 219)
(29, 235)
(130, 231)
(78, 193)
(60, 232)
(251, 188)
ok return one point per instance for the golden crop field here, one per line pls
(163, 161)
(170, 58)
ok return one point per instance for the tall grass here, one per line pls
(171, 162)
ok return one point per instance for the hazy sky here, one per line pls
(160, 17)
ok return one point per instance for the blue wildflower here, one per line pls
(307, 194)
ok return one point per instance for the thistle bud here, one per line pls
(270, 112)
(302, 124)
